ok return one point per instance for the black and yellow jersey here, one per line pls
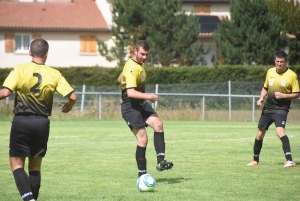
(35, 85)
(133, 76)
(286, 82)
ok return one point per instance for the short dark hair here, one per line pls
(143, 44)
(281, 54)
(39, 47)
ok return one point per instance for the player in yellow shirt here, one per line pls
(34, 84)
(280, 87)
(138, 113)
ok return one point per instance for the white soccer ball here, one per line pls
(146, 182)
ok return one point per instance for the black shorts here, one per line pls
(267, 118)
(136, 113)
(29, 136)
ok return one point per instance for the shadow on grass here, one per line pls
(172, 180)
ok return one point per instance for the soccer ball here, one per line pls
(146, 182)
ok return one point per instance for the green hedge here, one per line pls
(99, 76)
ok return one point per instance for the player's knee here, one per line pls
(143, 142)
(158, 126)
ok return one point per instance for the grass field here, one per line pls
(95, 160)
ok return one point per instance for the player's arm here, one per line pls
(280, 95)
(4, 93)
(132, 93)
(263, 94)
(295, 90)
(67, 107)
(120, 78)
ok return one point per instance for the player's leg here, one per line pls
(135, 122)
(264, 122)
(280, 121)
(140, 154)
(159, 136)
(38, 148)
(18, 150)
(257, 146)
(20, 176)
(153, 120)
(34, 168)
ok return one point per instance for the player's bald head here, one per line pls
(39, 47)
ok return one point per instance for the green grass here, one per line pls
(95, 160)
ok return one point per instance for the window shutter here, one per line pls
(9, 42)
(82, 43)
(92, 44)
(88, 44)
(202, 9)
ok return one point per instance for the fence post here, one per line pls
(156, 92)
(203, 108)
(82, 98)
(100, 106)
(253, 107)
(229, 100)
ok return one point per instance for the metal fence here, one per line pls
(231, 100)
(226, 101)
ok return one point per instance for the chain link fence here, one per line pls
(225, 101)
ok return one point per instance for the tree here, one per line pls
(251, 36)
(289, 14)
(172, 34)
(126, 29)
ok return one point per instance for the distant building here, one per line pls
(209, 13)
(70, 26)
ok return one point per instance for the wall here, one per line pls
(105, 6)
(218, 9)
(64, 51)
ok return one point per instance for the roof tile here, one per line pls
(76, 15)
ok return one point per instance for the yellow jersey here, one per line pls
(35, 85)
(286, 82)
(133, 76)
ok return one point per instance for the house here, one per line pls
(209, 14)
(70, 26)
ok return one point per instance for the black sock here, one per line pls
(23, 184)
(286, 148)
(140, 156)
(35, 182)
(159, 144)
(256, 149)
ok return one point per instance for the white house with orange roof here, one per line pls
(70, 26)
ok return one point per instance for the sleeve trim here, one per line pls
(69, 94)
(4, 87)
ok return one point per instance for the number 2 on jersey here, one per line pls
(35, 89)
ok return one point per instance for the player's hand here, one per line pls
(260, 101)
(279, 95)
(153, 98)
(67, 107)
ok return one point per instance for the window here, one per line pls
(88, 44)
(19, 43)
(22, 42)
